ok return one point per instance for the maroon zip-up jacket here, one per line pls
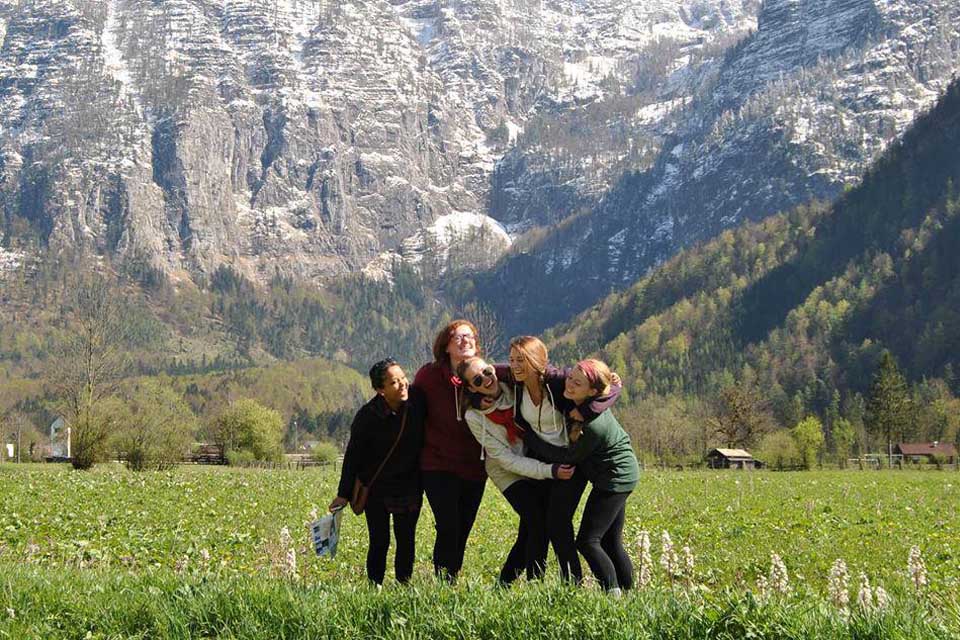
(448, 444)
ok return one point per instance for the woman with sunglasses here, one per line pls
(542, 408)
(602, 451)
(451, 470)
(519, 478)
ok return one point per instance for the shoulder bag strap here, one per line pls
(403, 424)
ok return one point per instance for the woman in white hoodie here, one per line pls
(518, 477)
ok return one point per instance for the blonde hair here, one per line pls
(598, 374)
(533, 350)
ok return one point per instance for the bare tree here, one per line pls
(740, 416)
(89, 364)
(488, 324)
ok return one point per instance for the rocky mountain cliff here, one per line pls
(794, 112)
(320, 137)
(314, 137)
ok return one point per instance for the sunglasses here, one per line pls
(477, 380)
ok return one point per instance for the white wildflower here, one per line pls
(778, 578)
(688, 563)
(180, 566)
(865, 594)
(917, 568)
(645, 571)
(838, 584)
(668, 558)
(284, 557)
(881, 599)
(11, 613)
(763, 589)
(290, 564)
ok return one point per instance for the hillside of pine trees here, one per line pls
(739, 339)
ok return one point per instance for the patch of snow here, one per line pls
(449, 227)
(423, 29)
(656, 112)
(514, 130)
(10, 260)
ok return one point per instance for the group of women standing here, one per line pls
(540, 433)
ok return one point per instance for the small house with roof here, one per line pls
(931, 452)
(731, 459)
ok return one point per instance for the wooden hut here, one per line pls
(731, 459)
(927, 452)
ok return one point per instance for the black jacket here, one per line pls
(372, 434)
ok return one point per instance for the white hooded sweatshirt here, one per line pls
(505, 462)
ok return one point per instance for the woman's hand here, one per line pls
(563, 471)
(338, 503)
(615, 379)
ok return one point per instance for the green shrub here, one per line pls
(249, 426)
(325, 452)
(239, 458)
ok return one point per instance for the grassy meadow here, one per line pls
(197, 552)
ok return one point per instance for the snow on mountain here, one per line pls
(318, 137)
(794, 112)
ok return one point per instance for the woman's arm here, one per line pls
(578, 451)
(556, 378)
(499, 450)
(354, 454)
(416, 415)
(504, 373)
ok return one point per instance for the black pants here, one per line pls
(378, 527)
(454, 502)
(562, 501)
(529, 552)
(600, 539)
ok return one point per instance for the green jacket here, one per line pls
(603, 453)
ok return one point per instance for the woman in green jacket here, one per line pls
(601, 449)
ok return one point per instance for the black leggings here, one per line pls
(529, 552)
(454, 502)
(378, 527)
(600, 539)
(562, 501)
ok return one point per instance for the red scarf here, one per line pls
(504, 418)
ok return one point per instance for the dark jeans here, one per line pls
(600, 539)
(529, 552)
(378, 527)
(562, 501)
(454, 502)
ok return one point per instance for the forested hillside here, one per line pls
(791, 315)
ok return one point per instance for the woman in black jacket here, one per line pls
(396, 490)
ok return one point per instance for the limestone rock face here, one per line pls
(321, 137)
(306, 136)
(794, 112)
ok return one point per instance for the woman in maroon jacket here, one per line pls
(452, 471)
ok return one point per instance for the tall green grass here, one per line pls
(41, 603)
(193, 553)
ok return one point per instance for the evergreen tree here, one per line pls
(889, 407)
